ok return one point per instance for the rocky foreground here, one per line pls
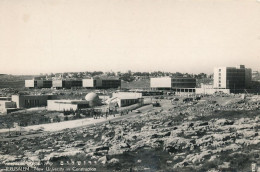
(186, 137)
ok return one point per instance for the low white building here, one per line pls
(209, 89)
(6, 106)
(61, 105)
(123, 99)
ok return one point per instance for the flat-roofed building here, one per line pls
(209, 89)
(88, 83)
(101, 83)
(30, 83)
(72, 84)
(183, 84)
(161, 83)
(123, 99)
(61, 105)
(38, 83)
(6, 106)
(233, 78)
(29, 101)
(58, 84)
(110, 83)
(67, 84)
(6, 98)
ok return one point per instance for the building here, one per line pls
(101, 83)
(122, 99)
(29, 101)
(209, 89)
(161, 83)
(7, 106)
(58, 84)
(5, 98)
(255, 75)
(91, 100)
(233, 78)
(68, 84)
(38, 83)
(183, 84)
(61, 105)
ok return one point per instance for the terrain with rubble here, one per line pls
(215, 133)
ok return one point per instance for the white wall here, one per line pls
(54, 105)
(29, 83)
(160, 82)
(15, 98)
(88, 83)
(223, 77)
(6, 104)
(210, 90)
(57, 83)
(127, 95)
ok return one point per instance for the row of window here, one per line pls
(129, 101)
(29, 103)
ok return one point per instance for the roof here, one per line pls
(70, 101)
(91, 96)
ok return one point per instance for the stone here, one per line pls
(113, 161)
(103, 160)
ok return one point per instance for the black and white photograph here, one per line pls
(130, 85)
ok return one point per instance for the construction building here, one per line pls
(101, 83)
(183, 84)
(236, 79)
(29, 101)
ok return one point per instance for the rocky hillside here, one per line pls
(202, 136)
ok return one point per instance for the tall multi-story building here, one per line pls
(233, 78)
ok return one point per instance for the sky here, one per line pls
(188, 36)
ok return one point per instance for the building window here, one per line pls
(219, 85)
(219, 70)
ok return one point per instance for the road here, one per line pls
(117, 118)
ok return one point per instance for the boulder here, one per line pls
(113, 161)
(103, 160)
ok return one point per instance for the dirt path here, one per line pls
(61, 126)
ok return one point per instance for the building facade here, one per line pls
(209, 89)
(122, 99)
(176, 84)
(161, 83)
(61, 105)
(233, 78)
(101, 83)
(38, 83)
(6, 106)
(29, 101)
